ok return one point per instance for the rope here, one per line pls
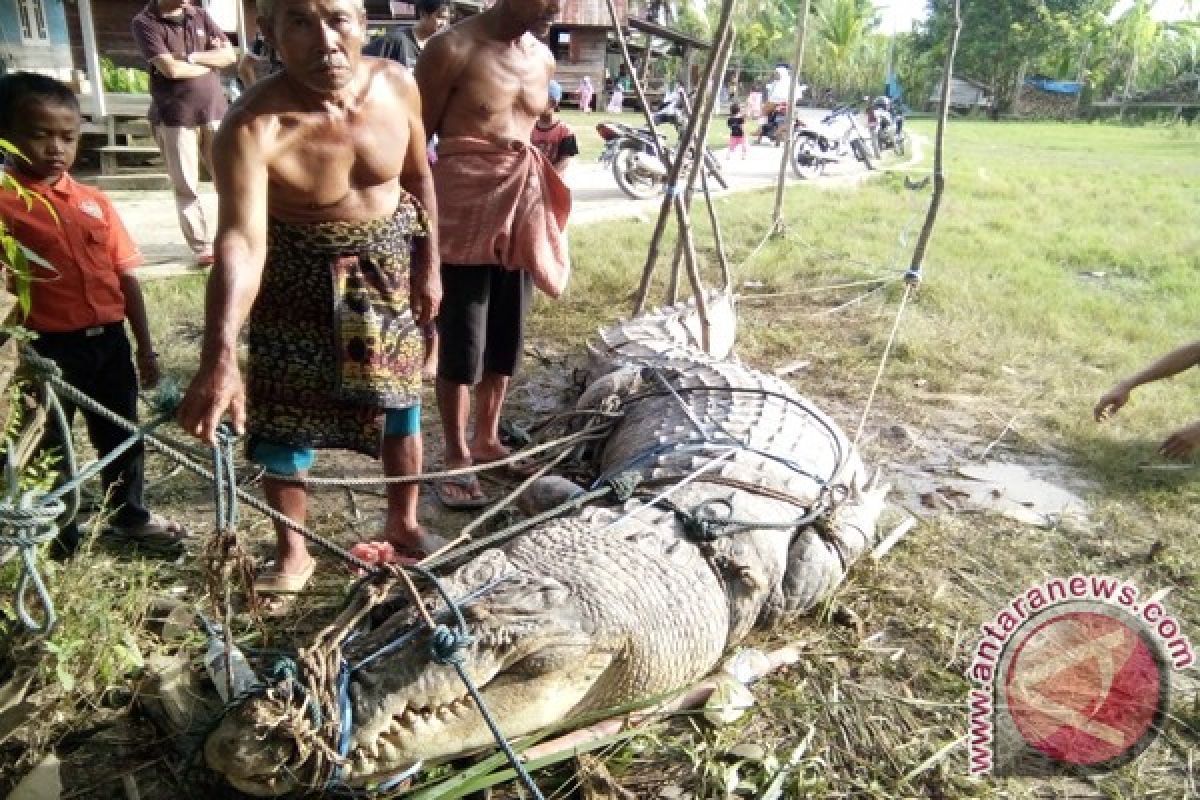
(908, 289)
(25, 526)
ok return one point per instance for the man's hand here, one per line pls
(213, 391)
(1111, 401)
(1180, 444)
(425, 294)
(147, 367)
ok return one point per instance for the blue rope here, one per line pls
(25, 526)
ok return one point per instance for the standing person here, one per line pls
(1182, 442)
(586, 92)
(552, 136)
(502, 216)
(80, 305)
(258, 62)
(404, 45)
(737, 131)
(324, 244)
(186, 50)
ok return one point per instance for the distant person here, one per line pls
(754, 109)
(404, 44)
(586, 92)
(186, 50)
(257, 62)
(616, 101)
(80, 305)
(1181, 443)
(737, 131)
(552, 136)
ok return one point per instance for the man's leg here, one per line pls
(512, 293)
(116, 389)
(181, 151)
(288, 498)
(461, 326)
(402, 457)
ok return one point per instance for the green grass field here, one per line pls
(1065, 257)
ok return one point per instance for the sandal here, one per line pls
(156, 532)
(271, 581)
(469, 484)
(385, 552)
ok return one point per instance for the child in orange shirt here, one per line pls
(80, 305)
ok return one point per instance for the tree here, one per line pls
(842, 31)
(1002, 39)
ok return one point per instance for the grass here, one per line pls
(1065, 257)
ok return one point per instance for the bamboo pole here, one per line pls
(656, 237)
(801, 34)
(913, 275)
(700, 148)
(674, 197)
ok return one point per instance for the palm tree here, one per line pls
(842, 30)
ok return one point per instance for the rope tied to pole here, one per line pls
(25, 526)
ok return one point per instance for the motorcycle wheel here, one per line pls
(804, 158)
(860, 152)
(632, 182)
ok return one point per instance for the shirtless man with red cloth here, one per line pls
(502, 215)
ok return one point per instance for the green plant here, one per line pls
(123, 80)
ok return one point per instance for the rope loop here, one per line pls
(26, 526)
(446, 645)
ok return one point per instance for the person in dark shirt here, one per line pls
(405, 44)
(737, 131)
(552, 136)
(186, 50)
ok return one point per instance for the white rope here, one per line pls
(882, 363)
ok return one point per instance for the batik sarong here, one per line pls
(331, 338)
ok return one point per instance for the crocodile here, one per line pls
(752, 505)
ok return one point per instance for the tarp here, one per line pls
(1058, 87)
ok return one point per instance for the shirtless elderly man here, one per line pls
(502, 214)
(322, 180)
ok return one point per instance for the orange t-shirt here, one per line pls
(87, 245)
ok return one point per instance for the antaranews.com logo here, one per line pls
(1074, 674)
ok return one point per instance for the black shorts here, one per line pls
(482, 321)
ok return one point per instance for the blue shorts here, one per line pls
(284, 459)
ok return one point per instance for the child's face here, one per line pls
(47, 134)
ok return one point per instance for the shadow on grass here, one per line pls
(1131, 469)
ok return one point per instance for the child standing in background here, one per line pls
(737, 131)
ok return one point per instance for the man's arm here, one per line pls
(416, 179)
(1172, 363)
(135, 312)
(178, 70)
(217, 59)
(240, 167)
(437, 73)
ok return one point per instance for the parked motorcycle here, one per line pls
(886, 123)
(638, 170)
(835, 140)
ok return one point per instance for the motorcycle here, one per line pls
(886, 124)
(835, 140)
(633, 154)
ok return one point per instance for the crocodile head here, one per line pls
(532, 658)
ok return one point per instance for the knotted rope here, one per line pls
(25, 526)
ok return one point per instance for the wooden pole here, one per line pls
(801, 34)
(91, 57)
(700, 148)
(673, 196)
(913, 275)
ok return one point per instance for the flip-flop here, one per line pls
(272, 581)
(469, 484)
(157, 532)
(385, 552)
(518, 470)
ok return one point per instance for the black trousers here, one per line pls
(99, 363)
